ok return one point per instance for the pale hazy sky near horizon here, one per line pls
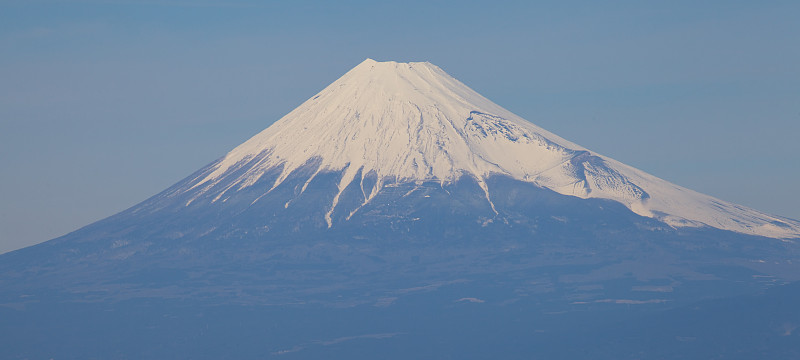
(105, 103)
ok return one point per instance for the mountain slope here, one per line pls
(412, 122)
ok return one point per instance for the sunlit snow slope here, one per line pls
(412, 122)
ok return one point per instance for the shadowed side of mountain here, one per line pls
(276, 242)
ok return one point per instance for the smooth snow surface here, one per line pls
(412, 122)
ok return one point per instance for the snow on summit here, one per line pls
(412, 122)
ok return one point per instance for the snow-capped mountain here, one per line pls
(398, 214)
(412, 123)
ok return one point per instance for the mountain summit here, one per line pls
(412, 122)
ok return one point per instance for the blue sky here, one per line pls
(105, 103)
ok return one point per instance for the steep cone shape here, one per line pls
(412, 122)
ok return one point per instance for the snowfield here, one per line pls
(412, 122)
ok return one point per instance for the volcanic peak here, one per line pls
(412, 122)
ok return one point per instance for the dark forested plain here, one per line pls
(423, 271)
